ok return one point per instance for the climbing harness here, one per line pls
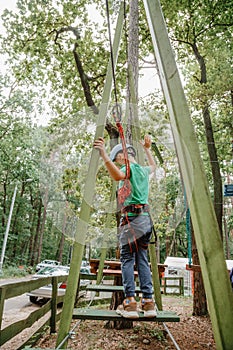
(136, 209)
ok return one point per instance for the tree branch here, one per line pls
(84, 81)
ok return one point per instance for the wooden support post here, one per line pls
(2, 302)
(155, 276)
(207, 235)
(53, 305)
(81, 229)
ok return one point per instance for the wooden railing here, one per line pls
(169, 285)
(11, 290)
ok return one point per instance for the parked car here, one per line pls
(43, 294)
(47, 263)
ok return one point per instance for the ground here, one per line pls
(190, 333)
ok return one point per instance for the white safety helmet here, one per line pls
(118, 148)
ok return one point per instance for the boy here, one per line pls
(135, 227)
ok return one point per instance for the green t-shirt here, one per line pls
(139, 179)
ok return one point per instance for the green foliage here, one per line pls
(16, 271)
(41, 42)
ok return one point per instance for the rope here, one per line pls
(171, 336)
(117, 113)
(125, 190)
(111, 52)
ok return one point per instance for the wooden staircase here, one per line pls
(111, 315)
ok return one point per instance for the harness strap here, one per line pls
(136, 209)
(121, 132)
(133, 233)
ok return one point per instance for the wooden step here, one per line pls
(106, 315)
(111, 272)
(108, 288)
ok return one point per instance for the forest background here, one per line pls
(55, 60)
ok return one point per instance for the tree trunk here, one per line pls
(132, 51)
(200, 305)
(32, 237)
(217, 179)
(216, 174)
(42, 228)
(199, 298)
(117, 299)
(62, 240)
(4, 205)
(34, 256)
(14, 226)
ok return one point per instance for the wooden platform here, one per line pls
(106, 315)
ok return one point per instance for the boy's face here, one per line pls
(120, 159)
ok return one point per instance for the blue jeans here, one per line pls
(134, 237)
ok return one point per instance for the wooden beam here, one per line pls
(210, 249)
(82, 224)
(155, 276)
(195, 268)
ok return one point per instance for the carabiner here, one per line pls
(117, 113)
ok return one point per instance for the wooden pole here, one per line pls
(82, 224)
(155, 275)
(53, 305)
(207, 235)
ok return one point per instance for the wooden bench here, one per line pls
(113, 264)
(170, 287)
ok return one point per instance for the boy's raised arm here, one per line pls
(115, 173)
